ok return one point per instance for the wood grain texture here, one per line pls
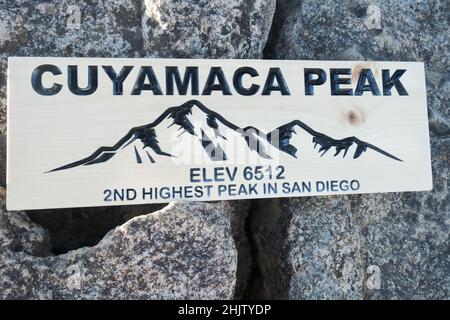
(65, 150)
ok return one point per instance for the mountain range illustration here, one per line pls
(214, 134)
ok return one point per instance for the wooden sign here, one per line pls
(96, 132)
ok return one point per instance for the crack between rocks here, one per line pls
(273, 32)
(74, 228)
(282, 6)
(262, 227)
(256, 284)
(254, 267)
(265, 227)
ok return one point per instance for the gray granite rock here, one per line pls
(131, 28)
(186, 251)
(381, 246)
(355, 247)
(407, 30)
(204, 28)
(60, 28)
(2, 161)
(73, 228)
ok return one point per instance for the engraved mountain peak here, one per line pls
(215, 136)
(285, 133)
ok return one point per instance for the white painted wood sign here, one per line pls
(96, 132)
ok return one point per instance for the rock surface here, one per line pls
(382, 246)
(131, 28)
(70, 229)
(189, 250)
(205, 28)
(185, 251)
(59, 28)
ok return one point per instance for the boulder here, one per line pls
(379, 246)
(186, 250)
(208, 29)
(59, 28)
(131, 28)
